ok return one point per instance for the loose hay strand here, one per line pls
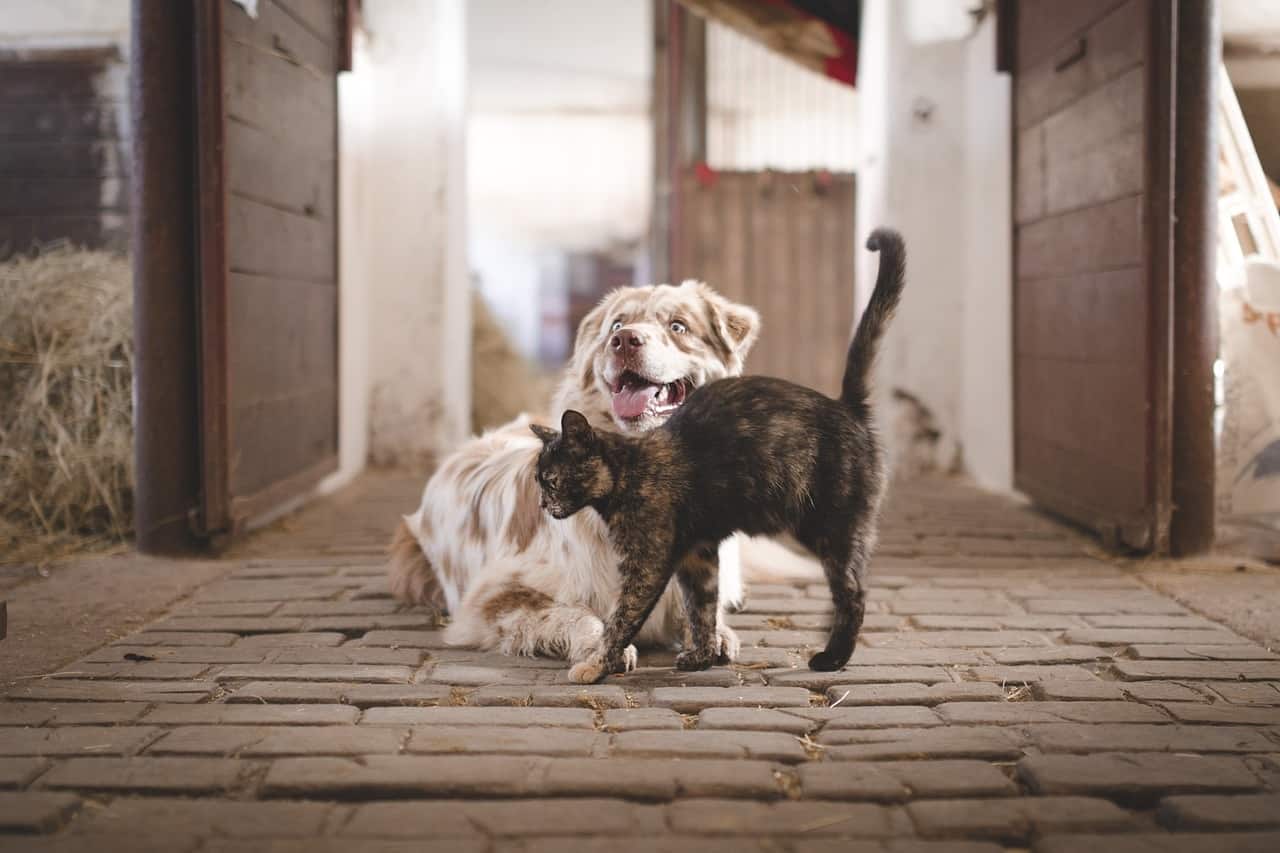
(66, 407)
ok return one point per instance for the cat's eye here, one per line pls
(617, 324)
(678, 327)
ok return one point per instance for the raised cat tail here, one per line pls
(884, 299)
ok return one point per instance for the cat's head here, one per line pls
(571, 467)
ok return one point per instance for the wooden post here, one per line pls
(166, 443)
(1195, 291)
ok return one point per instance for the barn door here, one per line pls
(267, 116)
(1092, 244)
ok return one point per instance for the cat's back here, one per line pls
(743, 412)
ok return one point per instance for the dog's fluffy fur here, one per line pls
(480, 546)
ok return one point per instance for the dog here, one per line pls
(479, 545)
(751, 454)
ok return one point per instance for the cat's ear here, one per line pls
(547, 434)
(575, 427)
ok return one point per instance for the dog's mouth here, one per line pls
(635, 396)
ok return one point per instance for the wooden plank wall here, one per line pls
(63, 149)
(281, 159)
(784, 243)
(1083, 439)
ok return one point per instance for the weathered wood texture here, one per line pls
(281, 226)
(1087, 312)
(783, 243)
(63, 149)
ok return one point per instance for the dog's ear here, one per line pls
(575, 428)
(736, 325)
(547, 434)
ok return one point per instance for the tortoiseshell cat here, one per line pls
(752, 454)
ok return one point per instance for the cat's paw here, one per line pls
(826, 661)
(588, 671)
(694, 660)
(727, 645)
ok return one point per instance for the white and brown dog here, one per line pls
(480, 545)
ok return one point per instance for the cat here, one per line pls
(752, 454)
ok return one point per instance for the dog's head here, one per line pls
(641, 351)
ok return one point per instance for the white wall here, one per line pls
(935, 163)
(404, 302)
(559, 149)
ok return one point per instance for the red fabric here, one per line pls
(842, 68)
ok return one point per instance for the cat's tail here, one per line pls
(884, 299)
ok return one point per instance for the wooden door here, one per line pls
(783, 243)
(268, 240)
(1092, 244)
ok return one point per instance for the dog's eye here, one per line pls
(617, 324)
(678, 327)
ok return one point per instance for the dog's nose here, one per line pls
(627, 340)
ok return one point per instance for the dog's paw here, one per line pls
(694, 660)
(588, 671)
(727, 645)
(630, 659)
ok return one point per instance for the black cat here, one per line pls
(750, 454)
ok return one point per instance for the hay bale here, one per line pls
(503, 382)
(66, 408)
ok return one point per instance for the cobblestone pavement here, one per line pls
(1010, 691)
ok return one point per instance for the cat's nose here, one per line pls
(627, 341)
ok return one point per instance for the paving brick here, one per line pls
(128, 670)
(901, 780)
(341, 845)
(1146, 651)
(359, 695)
(816, 819)
(754, 719)
(309, 639)
(148, 637)
(893, 656)
(957, 639)
(1238, 842)
(1147, 691)
(363, 624)
(1016, 819)
(146, 775)
(292, 715)
(579, 718)
(1210, 812)
(232, 608)
(870, 717)
(859, 675)
(1049, 712)
(633, 719)
(1031, 673)
(97, 713)
(253, 741)
(175, 654)
(784, 639)
(1256, 693)
(231, 624)
(35, 811)
(480, 740)
(1195, 712)
(351, 655)
(791, 604)
(594, 696)
(1135, 776)
(769, 746)
(1050, 654)
(1104, 737)
(19, 772)
(464, 675)
(1200, 670)
(168, 817)
(648, 677)
(375, 607)
(263, 590)
(399, 775)
(525, 819)
(690, 700)
(1148, 620)
(1129, 636)
(316, 672)
(106, 691)
(762, 657)
(25, 713)
(989, 744)
(75, 740)
(914, 694)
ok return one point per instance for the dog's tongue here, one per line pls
(631, 401)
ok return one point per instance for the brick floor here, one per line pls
(1012, 692)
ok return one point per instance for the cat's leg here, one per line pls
(644, 577)
(698, 574)
(844, 561)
